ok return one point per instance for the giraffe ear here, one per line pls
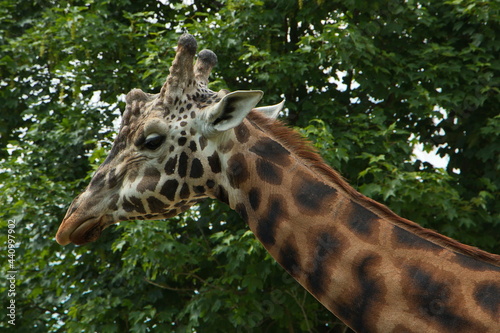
(230, 111)
(271, 111)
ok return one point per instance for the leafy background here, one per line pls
(367, 81)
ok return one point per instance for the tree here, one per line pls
(365, 80)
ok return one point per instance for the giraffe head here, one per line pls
(158, 165)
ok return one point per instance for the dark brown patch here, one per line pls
(359, 312)
(254, 198)
(267, 225)
(203, 142)
(170, 165)
(182, 141)
(405, 238)
(196, 169)
(183, 165)
(241, 209)
(214, 162)
(289, 257)
(361, 220)
(237, 170)
(311, 196)
(149, 180)
(199, 189)
(139, 207)
(193, 146)
(432, 298)
(487, 295)
(327, 248)
(169, 188)
(269, 172)
(226, 146)
(133, 204)
(271, 151)
(185, 192)
(127, 205)
(474, 263)
(242, 133)
(155, 205)
(221, 194)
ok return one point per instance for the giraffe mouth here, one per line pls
(87, 232)
(80, 233)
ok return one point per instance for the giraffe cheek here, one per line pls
(183, 165)
(132, 204)
(196, 169)
(169, 189)
(170, 165)
(149, 180)
(185, 192)
(155, 205)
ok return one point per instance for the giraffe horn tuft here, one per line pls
(206, 61)
(188, 42)
(181, 72)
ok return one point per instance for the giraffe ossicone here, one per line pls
(374, 270)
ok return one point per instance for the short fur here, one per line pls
(293, 141)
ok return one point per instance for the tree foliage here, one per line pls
(366, 81)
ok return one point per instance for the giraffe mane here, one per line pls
(303, 148)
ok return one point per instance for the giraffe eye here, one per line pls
(153, 141)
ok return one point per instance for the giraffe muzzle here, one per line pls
(80, 232)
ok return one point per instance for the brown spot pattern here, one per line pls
(149, 180)
(237, 170)
(310, 195)
(242, 133)
(269, 172)
(271, 151)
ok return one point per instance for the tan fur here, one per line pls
(303, 148)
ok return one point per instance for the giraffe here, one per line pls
(374, 270)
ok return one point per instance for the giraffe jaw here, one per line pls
(80, 232)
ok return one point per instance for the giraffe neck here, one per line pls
(365, 264)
